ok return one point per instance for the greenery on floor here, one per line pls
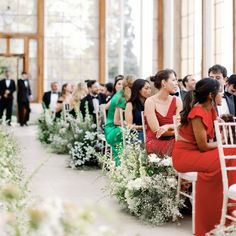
(22, 216)
(69, 135)
(145, 185)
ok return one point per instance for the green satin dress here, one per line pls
(113, 132)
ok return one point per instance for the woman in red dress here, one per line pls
(193, 153)
(159, 111)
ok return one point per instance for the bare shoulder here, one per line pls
(150, 101)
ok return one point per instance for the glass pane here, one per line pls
(27, 7)
(3, 45)
(27, 24)
(17, 46)
(33, 48)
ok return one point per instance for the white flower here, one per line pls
(153, 158)
(93, 126)
(166, 162)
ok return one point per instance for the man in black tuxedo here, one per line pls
(24, 96)
(219, 73)
(93, 99)
(50, 97)
(7, 88)
(230, 94)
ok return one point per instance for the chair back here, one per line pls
(122, 125)
(226, 138)
(176, 122)
(144, 128)
(66, 110)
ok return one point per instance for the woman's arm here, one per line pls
(149, 111)
(129, 117)
(117, 120)
(201, 136)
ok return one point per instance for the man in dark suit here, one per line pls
(230, 94)
(93, 99)
(219, 73)
(24, 96)
(7, 88)
(50, 97)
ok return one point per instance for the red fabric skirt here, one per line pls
(209, 189)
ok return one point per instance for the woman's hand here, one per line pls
(161, 130)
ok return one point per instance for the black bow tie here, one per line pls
(54, 93)
(94, 96)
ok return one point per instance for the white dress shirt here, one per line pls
(223, 109)
(95, 105)
(26, 83)
(53, 101)
(8, 81)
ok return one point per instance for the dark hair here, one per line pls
(103, 85)
(24, 73)
(109, 87)
(185, 80)
(63, 88)
(161, 75)
(218, 69)
(135, 96)
(232, 80)
(90, 83)
(117, 79)
(200, 95)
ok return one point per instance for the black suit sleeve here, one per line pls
(45, 100)
(82, 107)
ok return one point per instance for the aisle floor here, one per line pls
(54, 179)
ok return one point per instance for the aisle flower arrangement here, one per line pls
(20, 215)
(69, 135)
(145, 184)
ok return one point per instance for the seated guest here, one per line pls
(193, 153)
(109, 91)
(80, 92)
(113, 132)
(65, 98)
(93, 100)
(118, 85)
(219, 73)
(50, 98)
(159, 111)
(140, 91)
(189, 83)
(230, 94)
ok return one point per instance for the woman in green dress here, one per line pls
(113, 132)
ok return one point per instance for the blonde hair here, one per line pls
(80, 93)
(127, 85)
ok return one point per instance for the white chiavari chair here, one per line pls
(100, 120)
(189, 176)
(66, 110)
(226, 138)
(144, 128)
(122, 124)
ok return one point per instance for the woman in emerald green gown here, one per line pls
(113, 132)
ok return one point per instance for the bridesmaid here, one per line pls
(140, 91)
(193, 153)
(159, 111)
(113, 132)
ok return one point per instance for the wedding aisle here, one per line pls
(53, 179)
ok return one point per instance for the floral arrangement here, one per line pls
(70, 135)
(22, 216)
(145, 184)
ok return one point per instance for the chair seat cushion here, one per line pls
(190, 176)
(232, 192)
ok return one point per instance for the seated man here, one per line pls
(93, 99)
